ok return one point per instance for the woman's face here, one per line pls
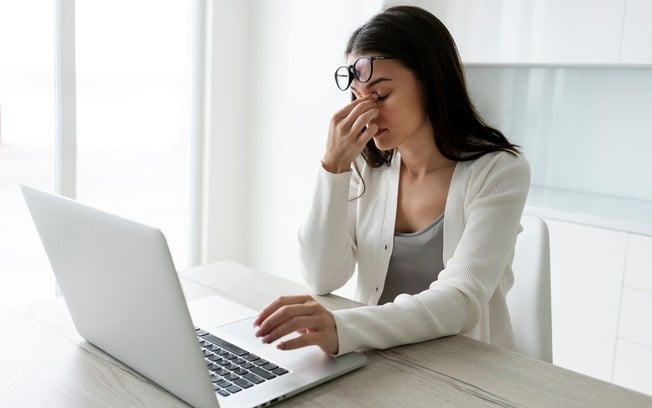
(402, 113)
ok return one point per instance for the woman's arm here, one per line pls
(327, 239)
(493, 208)
(327, 246)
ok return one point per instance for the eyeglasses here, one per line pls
(362, 70)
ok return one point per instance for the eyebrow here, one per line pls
(373, 83)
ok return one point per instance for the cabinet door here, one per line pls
(637, 33)
(638, 266)
(633, 363)
(552, 31)
(632, 367)
(586, 265)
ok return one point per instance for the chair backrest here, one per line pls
(529, 299)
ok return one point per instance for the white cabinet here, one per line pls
(633, 360)
(637, 33)
(636, 317)
(552, 31)
(638, 266)
(633, 366)
(547, 32)
(601, 289)
(586, 265)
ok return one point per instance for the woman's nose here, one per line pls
(374, 95)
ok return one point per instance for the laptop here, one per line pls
(124, 296)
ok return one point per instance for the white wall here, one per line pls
(267, 143)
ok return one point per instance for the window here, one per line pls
(133, 93)
(132, 112)
(26, 144)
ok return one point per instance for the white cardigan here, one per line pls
(482, 219)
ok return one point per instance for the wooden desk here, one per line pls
(45, 363)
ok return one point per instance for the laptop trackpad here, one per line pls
(214, 311)
(228, 319)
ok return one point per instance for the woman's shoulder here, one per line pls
(500, 160)
(495, 168)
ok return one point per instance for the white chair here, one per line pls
(529, 299)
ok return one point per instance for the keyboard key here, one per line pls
(253, 378)
(225, 345)
(280, 371)
(243, 383)
(230, 377)
(233, 389)
(228, 365)
(263, 373)
(240, 371)
(250, 357)
(223, 383)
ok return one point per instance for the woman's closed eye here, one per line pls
(380, 97)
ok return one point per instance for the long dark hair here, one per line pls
(421, 42)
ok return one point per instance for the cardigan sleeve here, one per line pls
(327, 246)
(493, 203)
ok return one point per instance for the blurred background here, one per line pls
(208, 119)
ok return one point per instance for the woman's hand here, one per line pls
(350, 130)
(301, 314)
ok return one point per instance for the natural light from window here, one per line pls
(132, 124)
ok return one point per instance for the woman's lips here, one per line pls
(380, 132)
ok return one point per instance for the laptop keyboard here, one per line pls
(233, 369)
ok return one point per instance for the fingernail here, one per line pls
(281, 346)
(266, 339)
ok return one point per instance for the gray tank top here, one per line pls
(415, 262)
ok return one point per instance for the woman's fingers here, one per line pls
(362, 121)
(347, 125)
(277, 303)
(305, 324)
(283, 316)
(298, 314)
(366, 135)
(345, 111)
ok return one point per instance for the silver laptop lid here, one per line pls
(123, 293)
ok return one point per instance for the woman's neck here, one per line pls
(420, 156)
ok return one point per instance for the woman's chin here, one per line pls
(382, 144)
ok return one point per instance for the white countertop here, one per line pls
(616, 213)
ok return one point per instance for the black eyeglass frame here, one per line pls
(352, 73)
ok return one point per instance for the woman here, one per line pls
(430, 214)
